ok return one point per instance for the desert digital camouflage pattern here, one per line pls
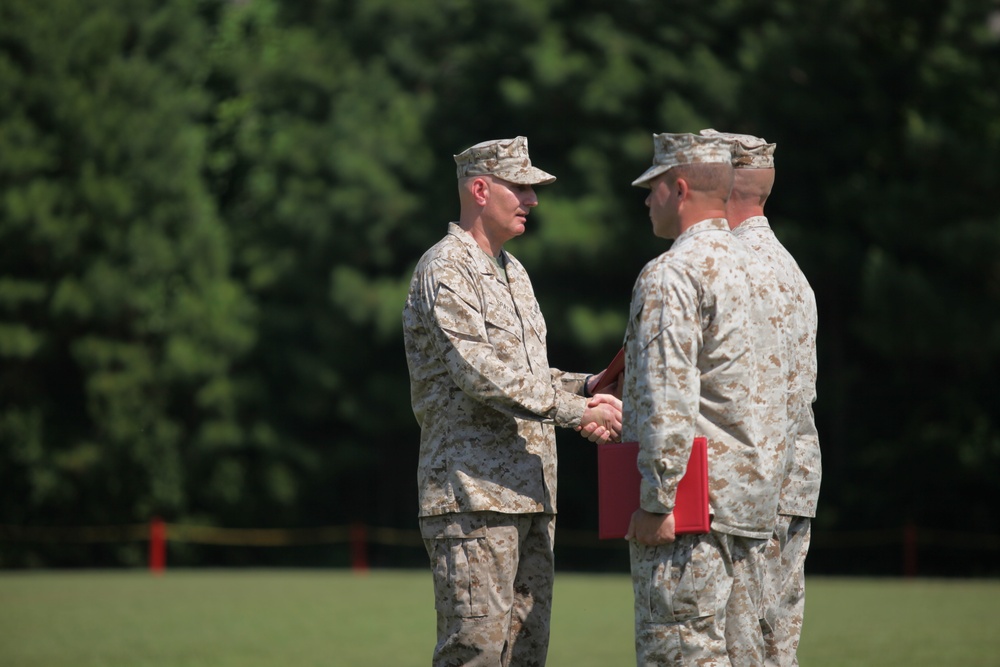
(504, 158)
(697, 601)
(672, 150)
(789, 544)
(704, 356)
(749, 152)
(692, 369)
(774, 352)
(800, 490)
(785, 592)
(490, 612)
(480, 384)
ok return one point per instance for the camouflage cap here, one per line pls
(503, 158)
(749, 152)
(672, 150)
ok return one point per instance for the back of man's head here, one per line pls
(753, 160)
(752, 185)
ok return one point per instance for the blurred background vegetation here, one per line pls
(210, 211)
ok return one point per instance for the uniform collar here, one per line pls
(706, 225)
(484, 263)
(756, 221)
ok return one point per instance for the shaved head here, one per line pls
(712, 179)
(753, 185)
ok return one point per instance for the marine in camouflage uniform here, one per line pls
(698, 362)
(753, 159)
(487, 403)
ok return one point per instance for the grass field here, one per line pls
(229, 618)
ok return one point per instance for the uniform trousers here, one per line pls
(699, 601)
(786, 589)
(493, 576)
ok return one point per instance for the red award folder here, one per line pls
(618, 490)
(610, 376)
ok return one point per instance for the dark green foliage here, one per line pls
(209, 212)
(119, 322)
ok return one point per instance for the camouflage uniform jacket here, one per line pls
(692, 368)
(480, 384)
(800, 492)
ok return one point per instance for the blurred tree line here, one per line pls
(210, 210)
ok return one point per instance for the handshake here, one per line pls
(602, 420)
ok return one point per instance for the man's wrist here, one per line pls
(586, 390)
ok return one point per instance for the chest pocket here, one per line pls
(500, 314)
(504, 329)
(522, 294)
(535, 322)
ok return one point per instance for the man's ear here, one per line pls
(480, 191)
(682, 189)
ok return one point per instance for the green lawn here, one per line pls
(207, 618)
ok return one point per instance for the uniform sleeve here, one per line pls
(809, 351)
(568, 382)
(806, 435)
(667, 334)
(460, 337)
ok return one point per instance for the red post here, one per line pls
(359, 548)
(910, 550)
(157, 545)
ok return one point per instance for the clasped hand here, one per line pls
(602, 420)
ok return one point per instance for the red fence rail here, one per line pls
(359, 536)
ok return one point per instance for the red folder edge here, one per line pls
(610, 376)
(618, 482)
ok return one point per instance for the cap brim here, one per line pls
(649, 174)
(529, 176)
